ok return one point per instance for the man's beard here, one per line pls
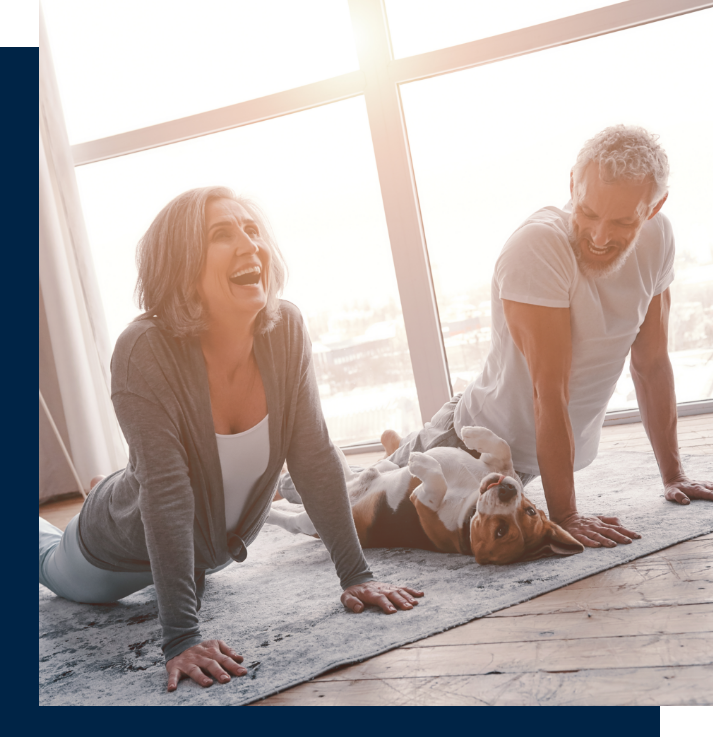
(588, 269)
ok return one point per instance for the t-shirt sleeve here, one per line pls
(536, 267)
(666, 274)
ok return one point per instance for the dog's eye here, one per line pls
(531, 511)
(501, 531)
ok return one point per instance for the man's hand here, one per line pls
(682, 490)
(213, 656)
(379, 594)
(597, 532)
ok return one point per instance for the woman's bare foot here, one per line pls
(95, 481)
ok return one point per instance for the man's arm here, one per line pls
(544, 337)
(653, 379)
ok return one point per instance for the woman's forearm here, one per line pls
(166, 502)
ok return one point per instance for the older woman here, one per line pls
(214, 389)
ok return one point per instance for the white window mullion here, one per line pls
(403, 215)
(571, 29)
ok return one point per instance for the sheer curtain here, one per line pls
(74, 359)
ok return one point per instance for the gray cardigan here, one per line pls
(165, 511)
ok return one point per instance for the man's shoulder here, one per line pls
(550, 219)
(659, 227)
(542, 235)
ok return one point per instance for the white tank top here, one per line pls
(243, 460)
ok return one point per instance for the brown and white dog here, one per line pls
(446, 500)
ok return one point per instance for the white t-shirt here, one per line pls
(243, 460)
(537, 266)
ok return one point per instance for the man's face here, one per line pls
(606, 221)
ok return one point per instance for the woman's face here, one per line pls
(233, 282)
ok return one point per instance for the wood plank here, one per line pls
(697, 549)
(625, 687)
(646, 594)
(60, 513)
(645, 651)
(577, 625)
(646, 569)
(706, 419)
(703, 450)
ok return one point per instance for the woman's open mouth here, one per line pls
(248, 275)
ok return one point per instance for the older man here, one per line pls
(573, 291)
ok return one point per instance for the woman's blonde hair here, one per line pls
(170, 258)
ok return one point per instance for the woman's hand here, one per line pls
(379, 594)
(213, 656)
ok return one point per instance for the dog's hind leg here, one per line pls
(390, 479)
(294, 523)
(433, 483)
(495, 452)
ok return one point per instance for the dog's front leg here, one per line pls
(294, 523)
(495, 452)
(433, 483)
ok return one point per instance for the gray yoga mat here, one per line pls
(281, 608)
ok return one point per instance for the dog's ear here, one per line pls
(555, 542)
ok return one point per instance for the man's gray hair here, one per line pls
(625, 153)
(170, 259)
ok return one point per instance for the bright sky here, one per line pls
(490, 145)
(122, 66)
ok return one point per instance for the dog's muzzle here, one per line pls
(506, 491)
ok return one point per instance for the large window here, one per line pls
(493, 144)
(395, 146)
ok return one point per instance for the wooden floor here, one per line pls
(638, 634)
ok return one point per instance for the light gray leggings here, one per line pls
(66, 572)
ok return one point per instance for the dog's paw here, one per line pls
(421, 465)
(479, 438)
(304, 524)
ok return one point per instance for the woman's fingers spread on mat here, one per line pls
(351, 602)
(226, 650)
(404, 594)
(215, 669)
(379, 594)
(395, 597)
(174, 676)
(231, 666)
(413, 592)
(197, 675)
(209, 656)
